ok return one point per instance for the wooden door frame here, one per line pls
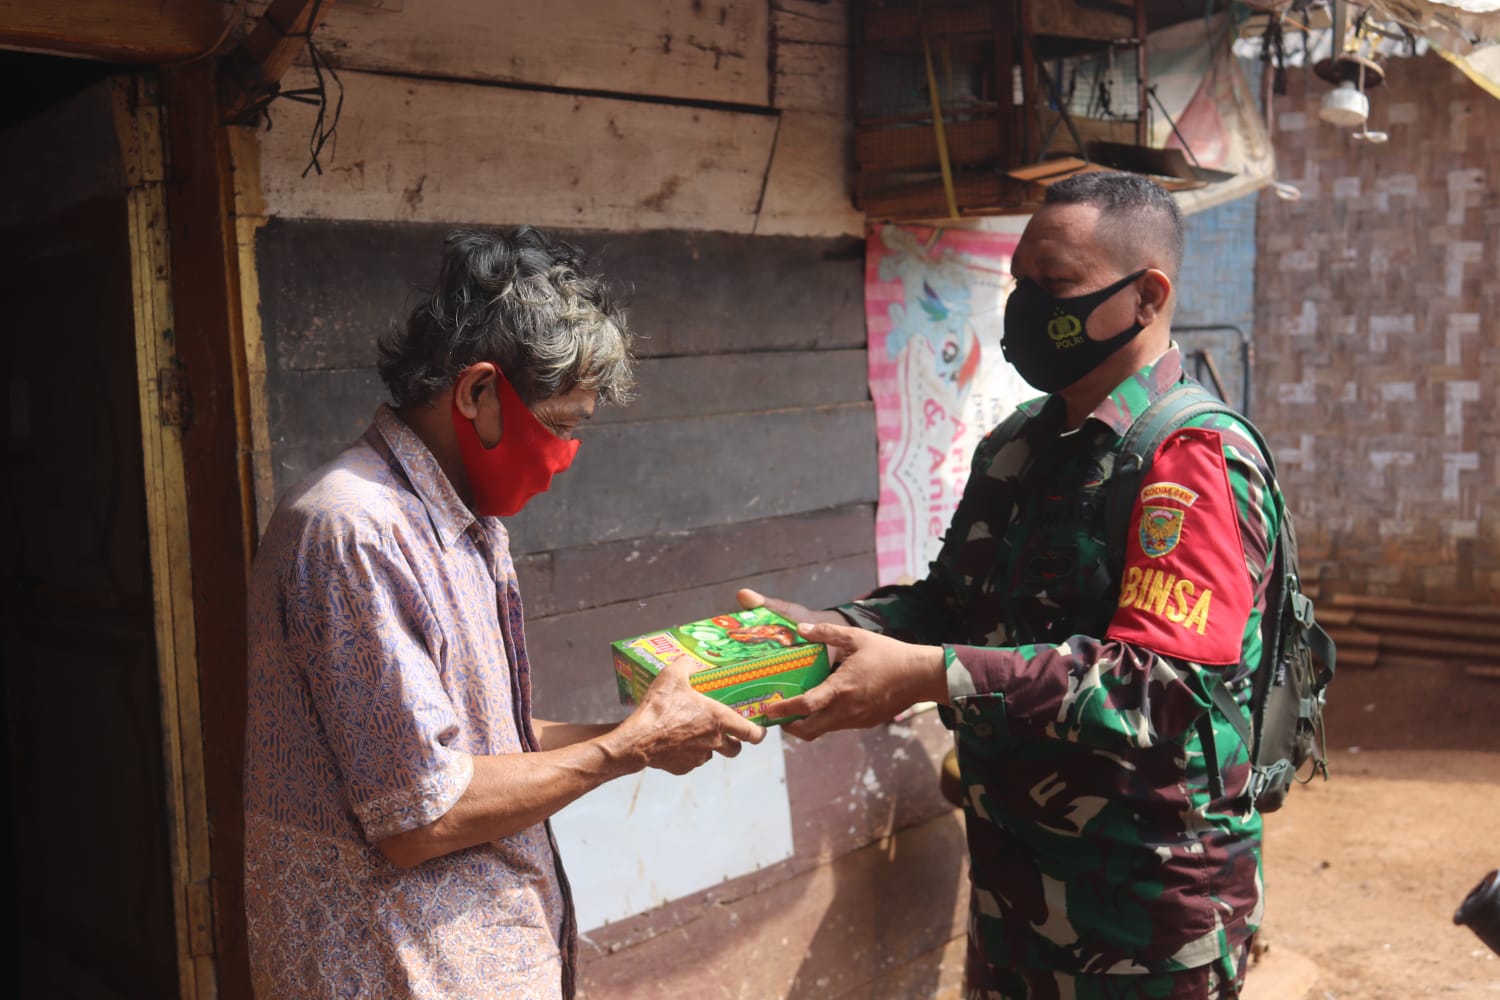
(163, 409)
(189, 257)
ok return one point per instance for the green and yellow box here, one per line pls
(747, 659)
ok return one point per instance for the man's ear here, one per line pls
(1155, 290)
(470, 386)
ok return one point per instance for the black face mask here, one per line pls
(1045, 337)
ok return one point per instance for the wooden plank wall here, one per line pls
(698, 151)
(750, 451)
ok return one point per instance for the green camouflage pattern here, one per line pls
(1095, 846)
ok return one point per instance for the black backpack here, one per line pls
(1285, 729)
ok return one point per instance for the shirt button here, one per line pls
(984, 730)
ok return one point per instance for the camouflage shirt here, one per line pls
(1095, 846)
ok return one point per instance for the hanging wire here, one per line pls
(325, 124)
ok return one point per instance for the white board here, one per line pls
(650, 838)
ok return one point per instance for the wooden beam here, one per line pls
(216, 449)
(434, 151)
(257, 66)
(126, 31)
(164, 411)
(696, 52)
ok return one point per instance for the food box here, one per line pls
(748, 660)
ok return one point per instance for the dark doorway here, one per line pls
(85, 858)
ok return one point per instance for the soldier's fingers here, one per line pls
(786, 707)
(750, 599)
(844, 637)
(810, 728)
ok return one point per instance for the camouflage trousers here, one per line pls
(1220, 980)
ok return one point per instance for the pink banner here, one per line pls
(934, 306)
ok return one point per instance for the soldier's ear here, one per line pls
(1155, 291)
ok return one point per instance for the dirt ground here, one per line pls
(1364, 873)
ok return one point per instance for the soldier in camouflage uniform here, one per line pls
(1101, 863)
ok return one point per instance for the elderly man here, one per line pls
(397, 788)
(1101, 863)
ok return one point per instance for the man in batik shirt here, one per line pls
(396, 786)
(1101, 863)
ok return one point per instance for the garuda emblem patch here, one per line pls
(1161, 526)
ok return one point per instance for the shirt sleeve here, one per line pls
(361, 624)
(1201, 532)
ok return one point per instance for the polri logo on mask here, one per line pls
(1045, 339)
(1066, 330)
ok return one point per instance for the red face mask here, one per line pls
(522, 465)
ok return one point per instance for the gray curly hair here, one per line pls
(522, 301)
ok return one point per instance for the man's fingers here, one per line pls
(785, 708)
(730, 747)
(682, 667)
(810, 703)
(750, 599)
(807, 729)
(842, 636)
(739, 727)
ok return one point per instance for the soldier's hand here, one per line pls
(750, 599)
(678, 729)
(880, 677)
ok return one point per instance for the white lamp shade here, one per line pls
(1345, 106)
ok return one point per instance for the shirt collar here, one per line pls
(1127, 401)
(450, 516)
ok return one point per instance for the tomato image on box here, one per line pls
(748, 660)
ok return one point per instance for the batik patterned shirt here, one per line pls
(1096, 846)
(386, 650)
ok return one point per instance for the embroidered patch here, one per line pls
(1185, 591)
(1161, 527)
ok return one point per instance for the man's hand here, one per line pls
(678, 729)
(750, 599)
(879, 678)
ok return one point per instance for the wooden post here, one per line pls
(269, 51)
(217, 446)
(166, 409)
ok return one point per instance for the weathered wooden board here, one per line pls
(666, 48)
(125, 31)
(572, 675)
(324, 408)
(427, 150)
(329, 407)
(330, 288)
(715, 557)
(812, 56)
(641, 479)
(699, 385)
(808, 191)
(889, 773)
(831, 932)
(631, 480)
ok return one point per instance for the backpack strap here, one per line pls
(1184, 402)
